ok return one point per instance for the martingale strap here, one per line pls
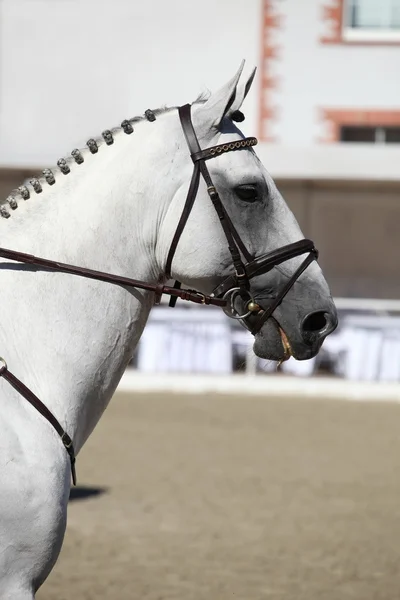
(42, 409)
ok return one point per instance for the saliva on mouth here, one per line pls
(286, 348)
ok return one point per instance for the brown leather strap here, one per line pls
(43, 410)
(189, 295)
(194, 147)
(265, 314)
(240, 270)
(190, 198)
(173, 299)
(159, 291)
(199, 155)
(249, 257)
(265, 263)
(188, 129)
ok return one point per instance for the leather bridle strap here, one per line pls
(189, 295)
(239, 242)
(264, 315)
(190, 198)
(263, 264)
(199, 156)
(43, 410)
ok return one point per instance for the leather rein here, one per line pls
(223, 296)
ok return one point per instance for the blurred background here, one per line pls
(198, 483)
(326, 109)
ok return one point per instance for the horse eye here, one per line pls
(247, 192)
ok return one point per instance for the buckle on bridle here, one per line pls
(3, 365)
(212, 192)
(202, 296)
(66, 440)
(240, 272)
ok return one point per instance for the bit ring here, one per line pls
(233, 293)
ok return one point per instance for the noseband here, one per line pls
(236, 285)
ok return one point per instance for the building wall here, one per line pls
(306, 73)
(356, 228)
(71, 68)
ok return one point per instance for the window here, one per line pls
(372, 126)
(374, 20)
(369, 134)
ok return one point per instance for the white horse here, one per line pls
(69, 339)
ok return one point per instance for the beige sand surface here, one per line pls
(221, 498)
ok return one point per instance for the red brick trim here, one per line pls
(336, 118)
(270, 22)
(332, 16)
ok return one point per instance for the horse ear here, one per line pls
(219, 103)
(241, 93)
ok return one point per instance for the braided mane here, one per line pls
(107, 138)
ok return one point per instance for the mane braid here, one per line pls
(34, 185)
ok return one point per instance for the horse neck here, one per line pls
(68, 338)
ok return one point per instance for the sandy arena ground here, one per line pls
(217, 498)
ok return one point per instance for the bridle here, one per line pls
(236, 285)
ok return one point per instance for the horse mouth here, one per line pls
(272, 342)
(287, 349)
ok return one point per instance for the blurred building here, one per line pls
(326, 106)
(330, 114)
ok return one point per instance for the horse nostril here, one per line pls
(315, 322)
(317, 325)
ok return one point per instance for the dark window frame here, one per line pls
(370, 134)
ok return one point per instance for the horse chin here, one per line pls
(273, 343)
(268, 342)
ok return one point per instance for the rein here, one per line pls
(223, 296)
(157, 288)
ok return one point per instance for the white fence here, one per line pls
(366, 346)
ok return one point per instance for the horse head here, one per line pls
(229, 233)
